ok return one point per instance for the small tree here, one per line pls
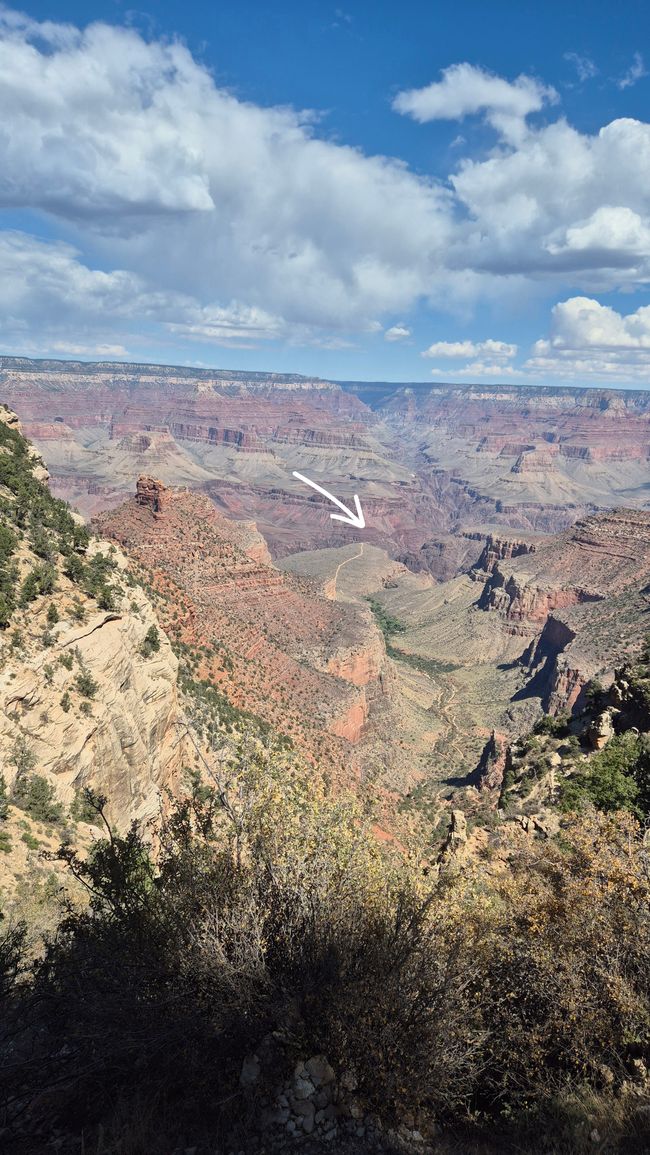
(4, 799)
(52, 614)
(86, 806)
(86, 684)
(35, 795)
(151, 643)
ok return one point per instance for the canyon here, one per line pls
(437, 467)
(502, 568)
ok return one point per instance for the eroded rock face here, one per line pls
(493, 762)
(151, 493)
(498, 549)
(454, 850)
(127, 747)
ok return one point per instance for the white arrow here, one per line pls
(356, 519)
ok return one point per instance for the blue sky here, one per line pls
(426, 191)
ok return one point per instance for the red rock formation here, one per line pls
(493, 762)
(152, 493)
(310, 667)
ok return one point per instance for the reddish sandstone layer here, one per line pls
(276, 648)
(435, 464)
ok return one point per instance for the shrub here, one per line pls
(66, 701)
(271, 921)
(4, 799)
(557, 727)
(86, 684)
(7, 606)
(106, 597)
(66, 659)
(34, 794)
(22, 756)
(615, 778)
(151, 642)
(52, 614)
(78, 611)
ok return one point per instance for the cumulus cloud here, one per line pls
(489, 348)
(397, 333)
(44, 284)
(495, 369)
(588, 339)
(477, 370)
(200, 217)
(192, 188)
(466, 90)
(563, 204)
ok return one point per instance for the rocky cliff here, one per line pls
(578, 600)
(84, 699)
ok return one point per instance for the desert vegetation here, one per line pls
(270, 923)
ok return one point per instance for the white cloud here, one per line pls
(227, 325)
(197, 191)
(615, 230)
(636, 71)
(588, 339)
(584, 66)
(495, 369)
(199, 217)
(476, 370)
(466, 90)
(582, 323)
(397, 333)
(89, 350)
(562, 205)
(490, 348)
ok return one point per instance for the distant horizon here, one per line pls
(205, 370)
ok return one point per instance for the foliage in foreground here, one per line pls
(272, 921)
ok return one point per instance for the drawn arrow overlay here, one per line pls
(355, 519)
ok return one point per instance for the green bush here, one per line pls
(4, 799)
(86, 806)
(34, 794)
(86, 684)
(106, 599)
(151, 642)
(615, 778)
(556, 727)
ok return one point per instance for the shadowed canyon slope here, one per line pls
(436, 467)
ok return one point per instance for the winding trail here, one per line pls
(347, 561)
